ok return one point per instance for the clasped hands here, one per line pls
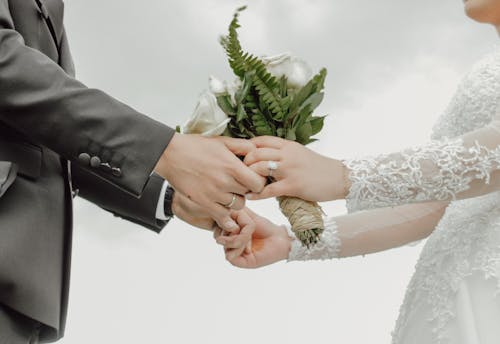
(212, 180)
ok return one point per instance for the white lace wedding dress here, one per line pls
(448, 188)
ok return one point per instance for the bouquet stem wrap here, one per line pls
(306, 218)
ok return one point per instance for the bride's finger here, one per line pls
(248, 248)
(262, 168)
(235, 241)
(242, 239)
(277, 189)
(262, 154)
(268, 141)
(232, 254)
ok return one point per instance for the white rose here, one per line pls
(221, 88)
(217, 87)
(297, 71)
(233, 87)
(208, 119)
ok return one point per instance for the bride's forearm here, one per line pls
(382, 229)
(373, 231)
(346, 181)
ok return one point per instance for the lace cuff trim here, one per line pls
(436, 171)
(328, 246)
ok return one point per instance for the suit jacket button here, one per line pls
(95, 162)
(84, 158)
(106, 167)
(117, 172)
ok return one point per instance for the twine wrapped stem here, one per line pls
(306, 219)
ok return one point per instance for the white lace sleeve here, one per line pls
(448, 169)
(371, 231)
(327, 248)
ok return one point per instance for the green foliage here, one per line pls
(263, 105)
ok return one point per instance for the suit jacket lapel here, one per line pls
(56, 13)
(65, 59)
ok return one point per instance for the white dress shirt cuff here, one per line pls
(160, 208)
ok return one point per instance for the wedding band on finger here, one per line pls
(272, 166)
(233, 201)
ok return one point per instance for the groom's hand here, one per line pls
(190, 212)
(208, 172)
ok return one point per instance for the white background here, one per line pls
(393, 66)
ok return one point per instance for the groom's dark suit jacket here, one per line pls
(55, 132)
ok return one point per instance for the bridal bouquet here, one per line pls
(273, 96)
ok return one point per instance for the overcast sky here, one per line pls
(393, 66)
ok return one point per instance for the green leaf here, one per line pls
(302, 117)
(232, 45)
(319, 80)
(304, 133)
(242, 93)
(241, 114)
(224, 103)
(280, 132)
(317, 124)
(310, 141)
(301, 97)
(290, 135)
(283, 86)
(261, 125)
(314, 101)
(268, 91)
(315, 85)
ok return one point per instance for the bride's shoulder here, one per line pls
(490, 60)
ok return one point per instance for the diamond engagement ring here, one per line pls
(272, 166)
(233, 201)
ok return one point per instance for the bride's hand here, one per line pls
(299, 172)
(270, 243)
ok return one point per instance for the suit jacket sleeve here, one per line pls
(52, 108)
(141, 211)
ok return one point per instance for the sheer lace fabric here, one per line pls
(371, 231)
(448, 188)
(328, 247)
(439, 170)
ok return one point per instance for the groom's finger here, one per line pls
(272, 190)
(262, 154)
(238, 146)
(217, 232)
(268, 141)
(222, 216)
(248, 178)
(237, 202)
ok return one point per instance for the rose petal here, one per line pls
(217, 131)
